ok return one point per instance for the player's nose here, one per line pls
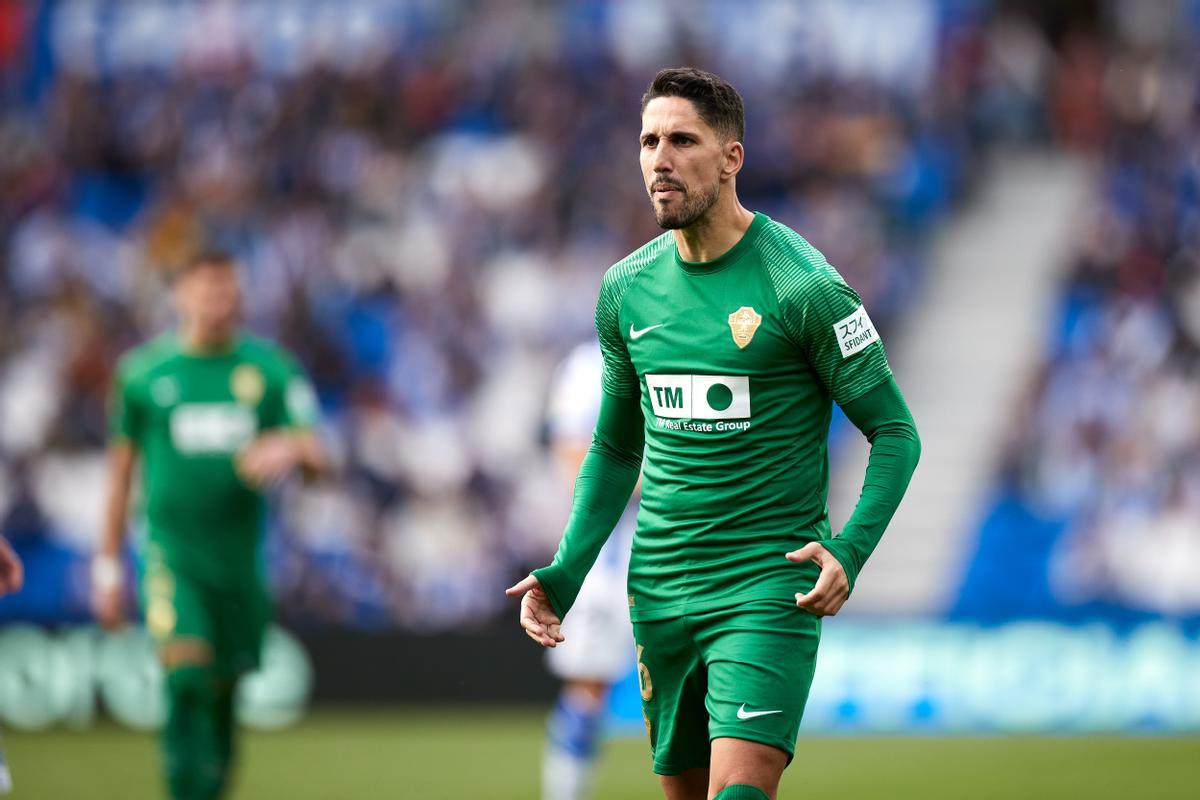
(660, 162)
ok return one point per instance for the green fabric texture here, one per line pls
(883, 417)
(606, 480)
(741, 791)
(711, 675)
(736, 364)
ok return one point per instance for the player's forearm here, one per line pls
(606, 481)
(883, 417)
(121, 458)
(108, 575)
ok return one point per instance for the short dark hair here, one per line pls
(717, 102)
(204, 257)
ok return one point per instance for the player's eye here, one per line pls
(649, 141)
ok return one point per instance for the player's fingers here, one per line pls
(529, 618)
(539, 635)
(809, 603)
(835, 597)
(817, 596)
(806, 553)
(540, 638)
(543, 609)
(544, 614)
(522, 586)
(532, 622)
(536, 629)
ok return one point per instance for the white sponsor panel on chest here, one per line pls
(212, 428)
(855, 332)
(699, 396)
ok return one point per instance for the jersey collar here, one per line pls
(729, 256)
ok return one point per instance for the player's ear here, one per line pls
(734, 156)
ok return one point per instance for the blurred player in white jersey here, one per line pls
(599, 638)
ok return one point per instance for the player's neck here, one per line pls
(716, 232)
(202, 341)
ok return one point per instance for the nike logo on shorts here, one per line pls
(636, 334)
(744, 714)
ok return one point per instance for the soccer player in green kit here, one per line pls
(726, 340)
(215, 416)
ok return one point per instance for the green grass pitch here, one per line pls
(459, 754)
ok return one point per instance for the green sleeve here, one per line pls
(606, 481)
(300, 405)
(840, 340)
(294, 401)
(620, 377)
(827, 321)
(124, 409)
(613, 463)
(883, 417)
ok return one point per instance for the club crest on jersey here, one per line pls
(247, 384)
(742, 324)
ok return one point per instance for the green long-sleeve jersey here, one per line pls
(189, 414)
(736, 363)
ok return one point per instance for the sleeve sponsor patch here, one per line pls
(855, 332)
(302, 405)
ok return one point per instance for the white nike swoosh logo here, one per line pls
(744, 714)
(636, 334)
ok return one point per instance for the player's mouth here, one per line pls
(665, 191)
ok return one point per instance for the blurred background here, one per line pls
(423, 197)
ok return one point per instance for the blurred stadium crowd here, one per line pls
(423, 207)
(1099, 508)
(424, 195)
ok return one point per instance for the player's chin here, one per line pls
(667, 220)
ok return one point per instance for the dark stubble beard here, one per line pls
(693, 207)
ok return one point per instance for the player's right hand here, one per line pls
(108, 605)
(537, 615)
(108, 595)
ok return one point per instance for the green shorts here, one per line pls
(232, 621)
(742, 672)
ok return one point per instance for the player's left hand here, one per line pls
(268, 459)
(832, 587)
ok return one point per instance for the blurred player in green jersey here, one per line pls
(726, 341)
(215, 416)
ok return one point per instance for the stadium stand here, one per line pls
(1096, 507)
